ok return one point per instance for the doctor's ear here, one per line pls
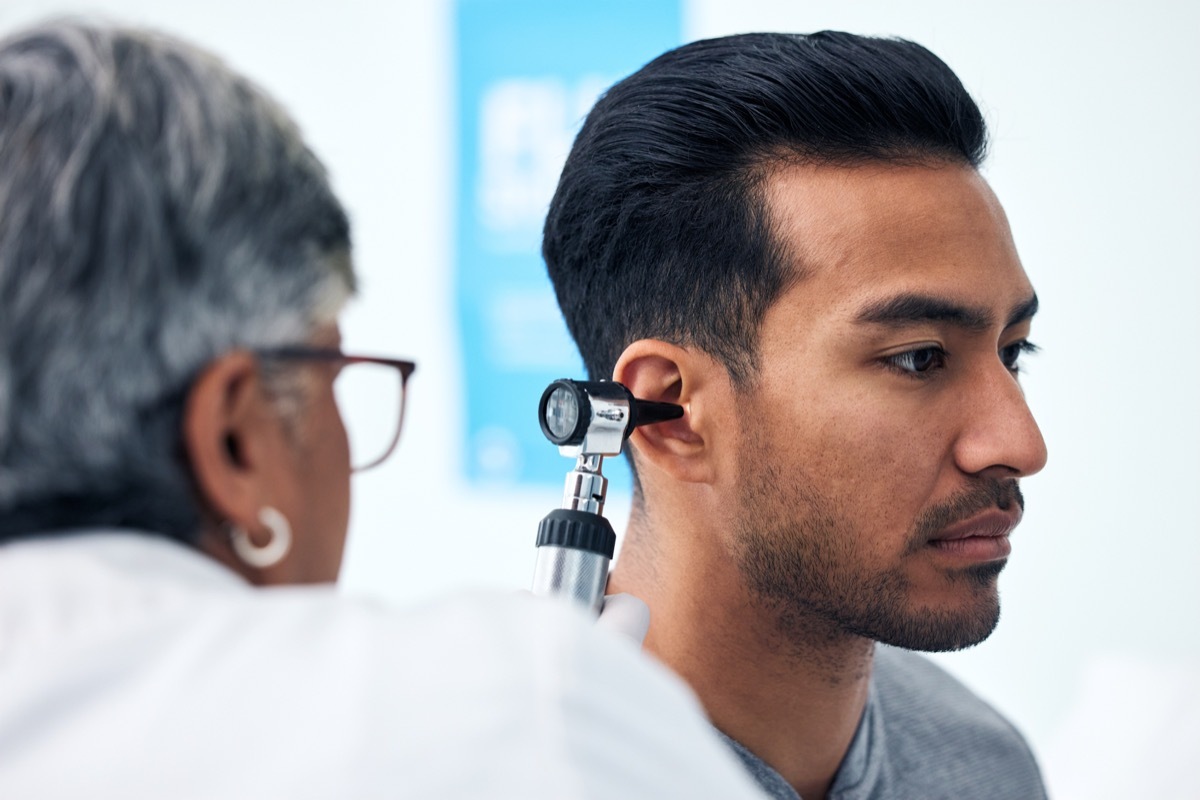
(662, 372)
(228, 440)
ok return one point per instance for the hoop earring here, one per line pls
(272, 552)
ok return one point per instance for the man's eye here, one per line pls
(1011, 355)
(919, 361)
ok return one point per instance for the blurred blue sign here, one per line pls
(528, 72)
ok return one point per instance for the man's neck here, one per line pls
(794, 699)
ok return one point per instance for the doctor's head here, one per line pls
(172, 267)
(789, 236)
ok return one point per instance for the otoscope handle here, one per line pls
(574, 551)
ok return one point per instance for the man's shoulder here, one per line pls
(939, 731)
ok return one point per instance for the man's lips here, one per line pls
(983, 537)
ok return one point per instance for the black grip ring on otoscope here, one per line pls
(588, 421)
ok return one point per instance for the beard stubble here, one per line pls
(800, 555)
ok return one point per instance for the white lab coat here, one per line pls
(134, 667)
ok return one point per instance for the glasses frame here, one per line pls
(405, 368)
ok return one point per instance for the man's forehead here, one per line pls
(871, 185)
(887, 241)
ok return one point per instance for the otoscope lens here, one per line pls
(561, 412)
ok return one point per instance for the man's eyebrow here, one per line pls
(910, 309)
(1023, 311)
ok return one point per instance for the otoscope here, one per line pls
(588, 421)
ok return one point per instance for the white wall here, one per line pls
(1094, 111)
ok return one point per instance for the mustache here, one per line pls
(980, 496)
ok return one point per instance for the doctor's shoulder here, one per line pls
(502, 694)
(131, 668)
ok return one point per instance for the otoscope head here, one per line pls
(587, 418)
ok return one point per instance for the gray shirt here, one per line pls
(925, 736)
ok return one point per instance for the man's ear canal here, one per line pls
(662, 372)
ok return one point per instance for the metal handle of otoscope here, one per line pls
(575, 543)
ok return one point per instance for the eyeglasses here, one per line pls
(370, 398)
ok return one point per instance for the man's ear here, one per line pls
(656, 370)
(226, 436)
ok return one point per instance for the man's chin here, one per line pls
(937, 637)
(949, 626)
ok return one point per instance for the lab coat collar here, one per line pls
(121, 553)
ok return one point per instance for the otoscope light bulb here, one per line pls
(561, 413)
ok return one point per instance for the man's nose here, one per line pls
(999, 436)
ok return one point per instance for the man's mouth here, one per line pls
(983, 537)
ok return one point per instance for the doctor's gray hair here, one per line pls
(156, 211)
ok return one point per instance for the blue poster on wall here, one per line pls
(528, 72)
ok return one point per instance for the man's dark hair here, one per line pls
(658, 228)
